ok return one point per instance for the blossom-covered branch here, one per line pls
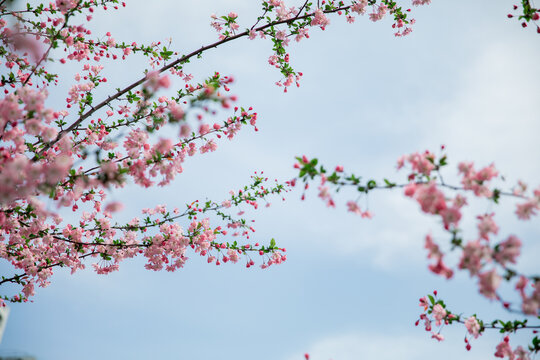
(435, 311)
(488, 261)
(37, 253)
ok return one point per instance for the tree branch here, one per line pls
(167, 67)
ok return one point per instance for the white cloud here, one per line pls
(493, 115)
(389, 346)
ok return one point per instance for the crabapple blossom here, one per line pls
(486, 260)
(508, 251)
(42, 148)
(504, 349)
(473, 327)
(63, 163)
(438, 313)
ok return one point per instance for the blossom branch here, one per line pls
(179, 61)
(436, 311)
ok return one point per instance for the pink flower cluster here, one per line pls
(20, 176)
(438, 267)
(477, 254)
(473, 327)
(65, 5)
(289, 21)
(477, 180)
(69, 159)
(320, 19)
(530, 303)
(378, 12)
(438, 314)
(505, 350)
(434, 310)
(353, 207)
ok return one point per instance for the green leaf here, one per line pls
(371, 184)
(388, 183)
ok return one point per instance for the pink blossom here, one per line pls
(473, 327)
(486, 174)
(302, 33)
(48, 133)
(530, 305)
(114, 207)
(359, 7)
(353, 207)
(424, 302)
(378, 13)
(155, 81)
(320, 19)
(135, 141)
(488, 283)
(65, 5)
(284, 13)
(521, 354)
(430, 198)
(441, 269)
(204, 129)
(473, 257)
(421, 163)
(504, 350)
(465, 168)
(273, 60)
(475, 181)
(367, 215)
(163, 146)
(527, 209)
(487, 225)
(164, 82)
(233, 255)
(508, 251)
(281, 35)
(209, 146)
(410, 189)
(439, 313)
(459, 201)
(33, 126)
(324, 194)
(521, 284)
(185, 130)
(433, 248)
(427, 322)
(450, 216)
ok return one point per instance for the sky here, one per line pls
(467, 77)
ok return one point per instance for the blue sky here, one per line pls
(466, 77)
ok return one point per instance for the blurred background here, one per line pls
(467, 77)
